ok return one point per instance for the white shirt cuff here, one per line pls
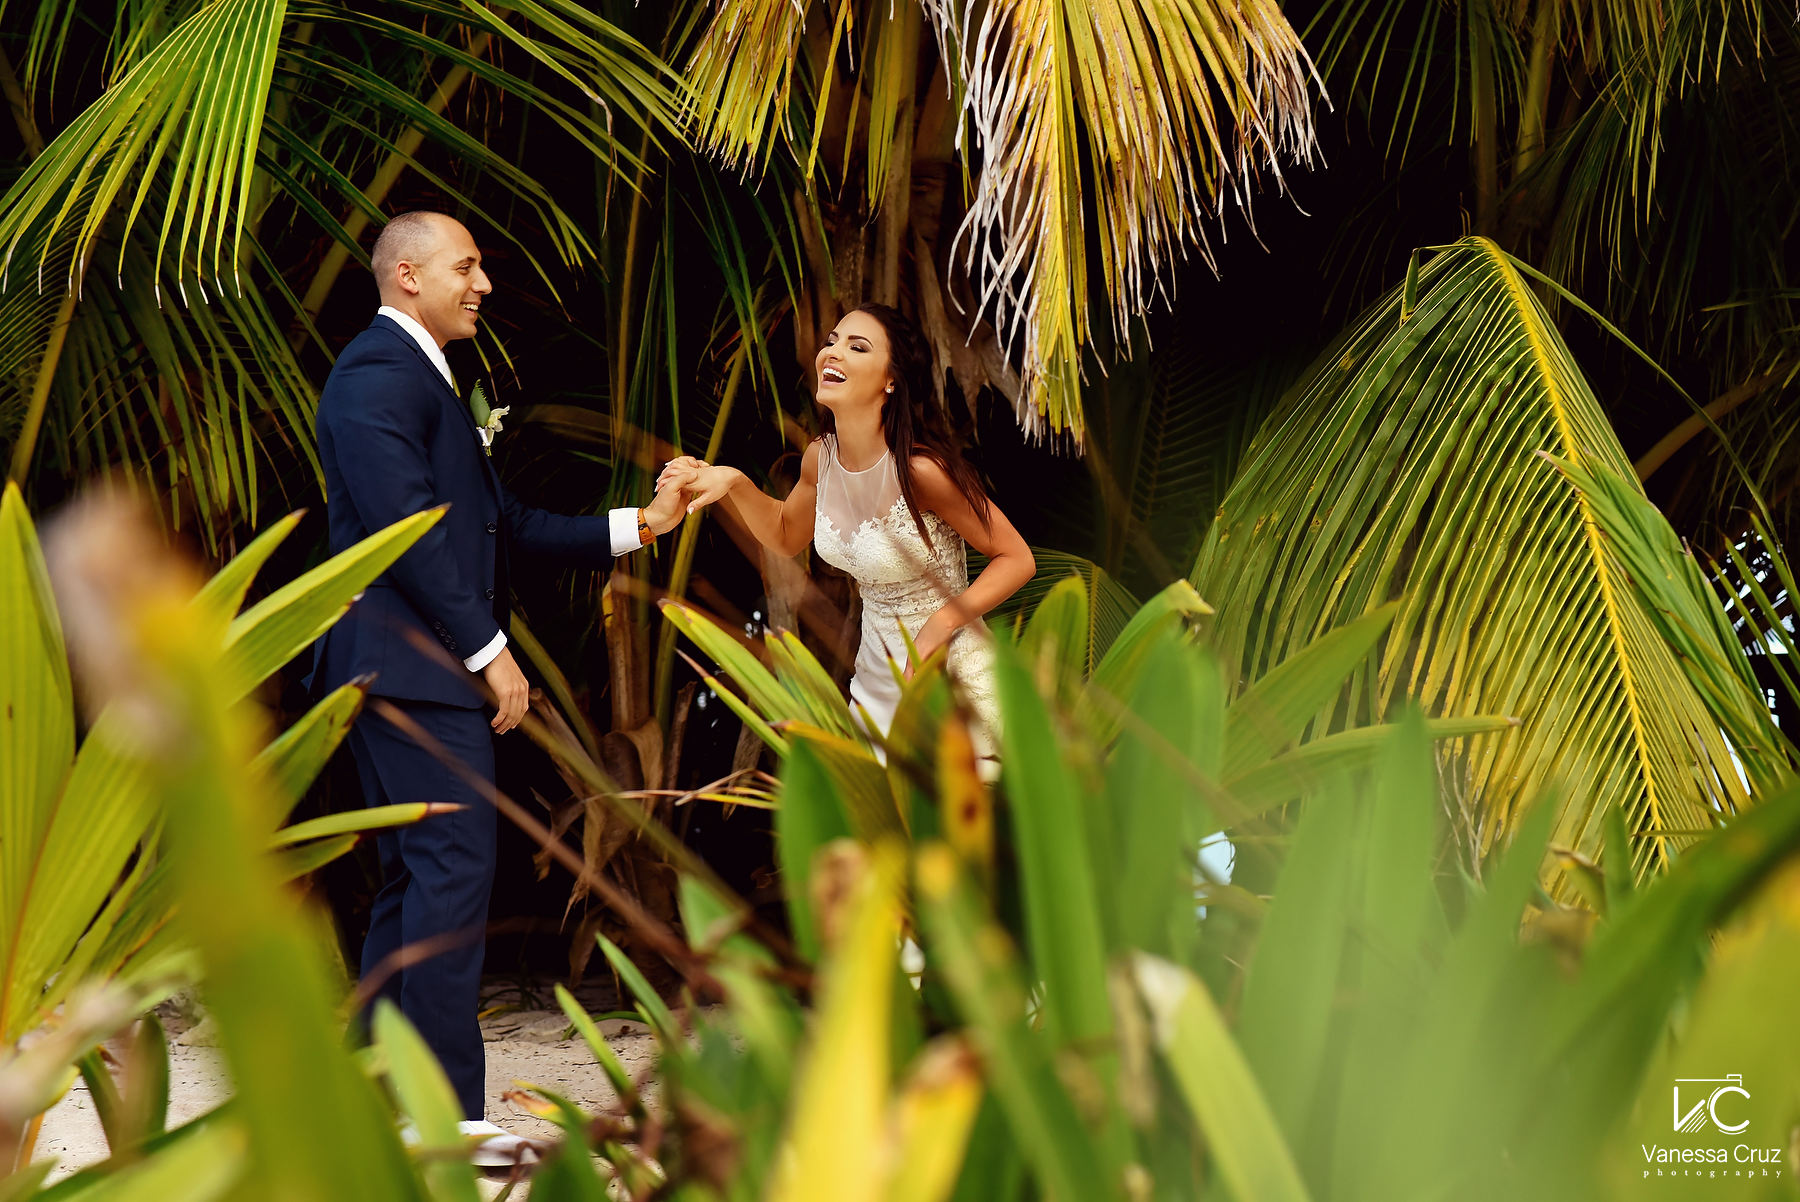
(485, 656)
(624, 530)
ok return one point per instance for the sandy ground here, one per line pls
(524, 1047)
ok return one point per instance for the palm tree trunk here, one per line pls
(21, 109)
(621, 381)
(1535, 113)
(33, 138)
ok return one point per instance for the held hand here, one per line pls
(511, 693)
(682, 467)
(711, 484)
(666, 511)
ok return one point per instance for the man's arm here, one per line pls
(622, 531)
(380, 442)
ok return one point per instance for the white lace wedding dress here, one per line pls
(863, 527)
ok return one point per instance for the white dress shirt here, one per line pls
(621, 523)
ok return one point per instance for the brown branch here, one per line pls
(1724, 403)
(21, 108)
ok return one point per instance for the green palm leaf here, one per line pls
(1408, 465)
(1108, 609)
(83, 889)
(194, 104)
(167, 176)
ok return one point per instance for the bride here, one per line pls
(886, 496)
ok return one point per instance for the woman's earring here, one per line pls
(890, 388)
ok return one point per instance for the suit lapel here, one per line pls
(446, 392)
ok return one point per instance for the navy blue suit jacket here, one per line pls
(395, 439)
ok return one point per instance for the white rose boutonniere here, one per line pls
(487, 420)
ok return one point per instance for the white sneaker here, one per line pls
(490, 1147)
(498, 1148)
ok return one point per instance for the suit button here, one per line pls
(493, 527)
(488, 593)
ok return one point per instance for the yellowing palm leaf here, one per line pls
(1165, 106)
(1172, 104)
(1407, 465)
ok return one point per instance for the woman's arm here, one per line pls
(1010, 562)
(786, 526)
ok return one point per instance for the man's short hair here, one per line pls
(407, 238)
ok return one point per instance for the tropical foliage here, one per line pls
(88, 882)
(1074, 1026)
(1120, 122)
(1412, 464)
(1453, 508)
(217, 128)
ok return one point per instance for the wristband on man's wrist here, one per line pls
(645, 534)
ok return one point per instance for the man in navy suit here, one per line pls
(396, 438)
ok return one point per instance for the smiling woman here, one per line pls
(886, 496)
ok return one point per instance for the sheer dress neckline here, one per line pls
(860, 471)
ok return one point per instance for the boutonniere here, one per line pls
(487, 420)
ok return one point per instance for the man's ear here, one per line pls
(408, 276)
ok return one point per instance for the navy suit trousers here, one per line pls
(436, 878)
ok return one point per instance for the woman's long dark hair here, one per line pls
(910, 419)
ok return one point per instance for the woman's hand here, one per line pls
(710, 484)
(665, 512)
(938, 630)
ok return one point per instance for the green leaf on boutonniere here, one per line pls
(478, 404)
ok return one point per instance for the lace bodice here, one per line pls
(863, 527)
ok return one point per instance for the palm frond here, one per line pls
(742, 77)
(191, 110)
(1153, 110)
(1650, 215)
(1414, 65)
(1407, 465)
(1157, 109)
(1109, 605)
(209, 405)
(366, 108)
(1194, 428)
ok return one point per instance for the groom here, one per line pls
(395, 437)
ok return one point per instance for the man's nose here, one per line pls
(483, 285)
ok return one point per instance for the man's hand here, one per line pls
(679, 470)
(511, 693)
(666, 511)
